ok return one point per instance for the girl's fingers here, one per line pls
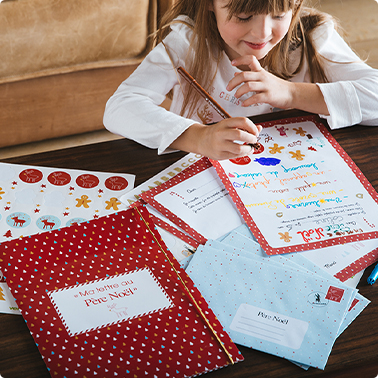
(254, 87)
(257, 98)
(243, 77)
(235, 81)
(232, 137)
(246, 130)
(247, 60)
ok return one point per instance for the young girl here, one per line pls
(252, 56)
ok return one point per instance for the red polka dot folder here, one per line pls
(106, 298)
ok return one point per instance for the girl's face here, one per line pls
(248, 33)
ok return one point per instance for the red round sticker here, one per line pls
(241, 161)
(59, 178)
(259, 149)
(87, 181)
(116, 183)
(31, 175)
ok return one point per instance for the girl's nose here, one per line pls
(263, 27)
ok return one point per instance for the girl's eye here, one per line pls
(279, 16)
(244, 18)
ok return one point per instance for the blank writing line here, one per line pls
(262, 329)
(258, 334)
(268, 325)
(207, 183)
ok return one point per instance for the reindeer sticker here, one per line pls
(116, 183)
(48, 222)
(87, 181)
(59, 178)
(18, 220)
(31, 176)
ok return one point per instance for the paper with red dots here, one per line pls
(197, 202)
(301, 191)
(105, 298)
(165, 224)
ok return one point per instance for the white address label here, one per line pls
(270, 326)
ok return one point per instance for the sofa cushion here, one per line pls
(42, 37)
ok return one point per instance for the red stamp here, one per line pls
(335, 294)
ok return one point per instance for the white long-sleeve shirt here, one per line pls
(133, 111)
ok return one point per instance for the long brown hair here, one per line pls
(304, 21)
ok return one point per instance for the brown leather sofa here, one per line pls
(62, 59)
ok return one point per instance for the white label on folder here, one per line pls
(270, 326)
(107, 301)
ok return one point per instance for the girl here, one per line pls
(252, 56)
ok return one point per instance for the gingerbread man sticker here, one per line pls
(285, 237)
(112, 204)
(83, 201)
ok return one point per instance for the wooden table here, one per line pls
(355, 353)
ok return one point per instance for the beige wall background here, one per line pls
(359, 21)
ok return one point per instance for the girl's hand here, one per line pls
(227, 139)
(267, 88)
(262, 86)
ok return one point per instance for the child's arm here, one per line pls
(272, 90)
(217, 141)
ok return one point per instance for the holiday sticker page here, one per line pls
(301, 191)
(38, 199)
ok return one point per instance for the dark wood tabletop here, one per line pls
(355, 353)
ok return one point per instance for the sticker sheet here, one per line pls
(39, 199)
(300, 190)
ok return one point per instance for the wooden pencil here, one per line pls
(206, 96)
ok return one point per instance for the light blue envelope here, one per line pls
(241, 245)
(263, 305)
(242, 238)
